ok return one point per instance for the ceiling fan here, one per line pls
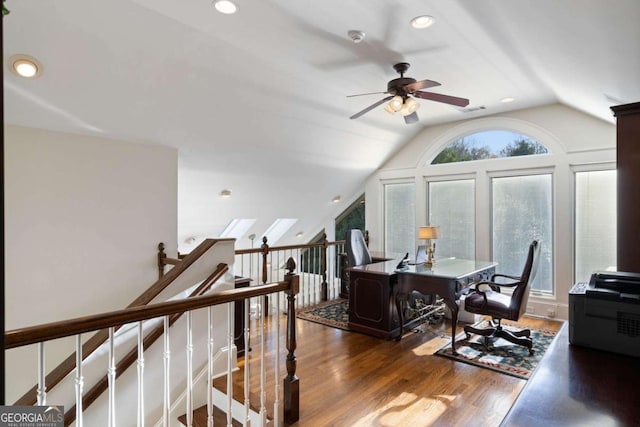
(402, 92)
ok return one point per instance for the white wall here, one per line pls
(83, 218)
(576, 141)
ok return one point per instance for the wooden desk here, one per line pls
(447, 278)
(371, 299)
(345, 274)
(379, 290)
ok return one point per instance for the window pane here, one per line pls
(595, 222)
(452, 207)
(522, 212)
(399, 218)
(489, 144)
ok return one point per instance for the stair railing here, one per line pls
(115, 319)
(319, 269)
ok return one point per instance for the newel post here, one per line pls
(291, 381)
(323, 267)
(161, 260)
(265, 252)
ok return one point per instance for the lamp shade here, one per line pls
(396, 103)
(409, 107)
(429, 232)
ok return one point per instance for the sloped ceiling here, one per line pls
(256, 102)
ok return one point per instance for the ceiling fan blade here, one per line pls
(447, 99)
(362, 94)
(411, 118)
(370, 107)
(422, 84)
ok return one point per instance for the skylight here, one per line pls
(237, 228)
(278, 228)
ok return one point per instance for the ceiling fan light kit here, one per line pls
(410, 106)
(401, 93)
(396, 103)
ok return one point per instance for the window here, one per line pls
(352, 217)
(311, 258)
(399, 217)
(489, 145)
(522, 212)
(452, 207)
(237, 228)
(595, 226)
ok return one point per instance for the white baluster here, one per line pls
(247, 403)
(229, 362)
(210, 368)
(140, 375)
(167, 358)
(79, 380)
(111, 377)
(42, 387)
(189, 370)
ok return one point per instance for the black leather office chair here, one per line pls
(489, 301)
(356, 248)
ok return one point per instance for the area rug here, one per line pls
(330, 313)
(503, 357)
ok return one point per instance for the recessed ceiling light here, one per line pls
(225, 6)
(299, 234)
(225, 193)
(507, 100)
(335, 199)
(422, 21)
(356, 35)
(25, 66)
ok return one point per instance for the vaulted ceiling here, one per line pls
(256, 102)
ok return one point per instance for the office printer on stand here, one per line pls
(605, 313)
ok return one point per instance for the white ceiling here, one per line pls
(257, 101)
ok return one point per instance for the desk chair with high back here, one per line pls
(356, 248)
(491, 302)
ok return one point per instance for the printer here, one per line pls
(605, 313)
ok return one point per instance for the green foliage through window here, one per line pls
(489, 145)
(352, 217)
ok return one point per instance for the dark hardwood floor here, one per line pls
(350, 379)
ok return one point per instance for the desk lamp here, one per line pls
(428, 233)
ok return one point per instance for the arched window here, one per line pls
(489, 144)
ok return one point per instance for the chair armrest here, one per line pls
(508, 276)
(495, 286)
(475, 286)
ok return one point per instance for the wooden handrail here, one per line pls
(79, 325)
(67, 365)
(288, 247)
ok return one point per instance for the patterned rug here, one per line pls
(331, 313)
(505, 357)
